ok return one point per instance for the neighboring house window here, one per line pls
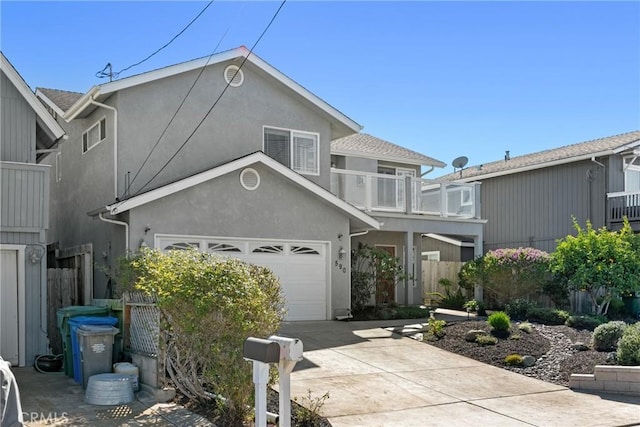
(295, 149)
(631, 174)
(431, 255)
(58, 167)
(94, 135)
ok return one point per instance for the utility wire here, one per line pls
(116, 74)
(215, 103)
(126, 191)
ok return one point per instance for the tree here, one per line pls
(600, 262)
(372, 270)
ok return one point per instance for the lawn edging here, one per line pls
(609, 379)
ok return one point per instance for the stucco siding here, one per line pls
(234, 127)
(18, 129)
(278, 209)
(536, 208)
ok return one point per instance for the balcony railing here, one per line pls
(390, 193)
(623, 204)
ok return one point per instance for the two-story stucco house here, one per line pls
(229, 155)
(530, 200)
(27, 133)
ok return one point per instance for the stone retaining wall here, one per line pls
(609, 379)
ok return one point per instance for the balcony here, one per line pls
(623, 204)
(373, 192)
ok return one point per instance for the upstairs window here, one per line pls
(632, 174)
(295, 149)
(94, 135)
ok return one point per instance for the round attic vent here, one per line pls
(233, 75)
(250, 179)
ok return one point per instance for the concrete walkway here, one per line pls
(377, 378)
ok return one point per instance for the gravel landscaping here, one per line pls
(555, 348)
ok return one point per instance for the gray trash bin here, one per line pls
(96, 350)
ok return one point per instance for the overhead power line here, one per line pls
(215, 102)
(114, 75)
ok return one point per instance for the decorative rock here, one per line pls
(612, 357)
(580, 346)
(528, 361)
(471, 335)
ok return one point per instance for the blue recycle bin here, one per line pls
(77, 322)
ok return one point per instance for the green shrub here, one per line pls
(519, 308)
(607, 335)
(628, 352)
(585, 322)
(209, 305)
(617, 309)
(499, 321)
(513, 360)
(548, 316)
(486, 340)
(525, 327)
(450, 299)
(435, 328)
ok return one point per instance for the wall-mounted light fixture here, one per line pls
(341, 253)
(35, 255)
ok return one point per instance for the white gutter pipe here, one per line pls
(360, 233)
(428, 172)
(593, 159)
(122, 223)
(115, 143)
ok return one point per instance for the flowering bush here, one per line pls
(509, 273)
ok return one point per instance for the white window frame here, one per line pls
(469, 200)
(292, 146)
(627, 167)
(102, 134)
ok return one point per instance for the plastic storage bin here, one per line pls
(76, 323)
(63, 317)
(96, 350)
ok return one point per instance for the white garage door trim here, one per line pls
(20, 304)
(288, 258)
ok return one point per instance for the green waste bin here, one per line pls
(66, 313)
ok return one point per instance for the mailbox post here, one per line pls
(286, 352)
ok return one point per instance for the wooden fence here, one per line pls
(62, 290)
(433, 271)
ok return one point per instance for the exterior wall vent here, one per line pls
(233, 75)
(250, 179)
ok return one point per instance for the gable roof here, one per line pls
(360, 217)
(556, 156)
(59, 100)
(53, 130)
(365, 145)
(101, 92)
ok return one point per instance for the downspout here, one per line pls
(122, 223)
(359, 233)
(428, 172)
(115, 143)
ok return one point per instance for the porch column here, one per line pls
(408, 260)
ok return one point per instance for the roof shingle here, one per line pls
(540, 159)
(62, 98)
(362, 144)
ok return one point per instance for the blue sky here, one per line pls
(442, 78)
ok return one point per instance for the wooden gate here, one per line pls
(433, 271)
(62, 291)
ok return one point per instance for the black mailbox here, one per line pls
(260, 350)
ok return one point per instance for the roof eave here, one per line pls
(44, 98)
(81, 104)
(535, 166)
(48, 121)
(415, 162)
(260, 157)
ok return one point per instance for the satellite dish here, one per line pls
(460, 162)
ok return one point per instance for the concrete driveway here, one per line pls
(377, 378)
